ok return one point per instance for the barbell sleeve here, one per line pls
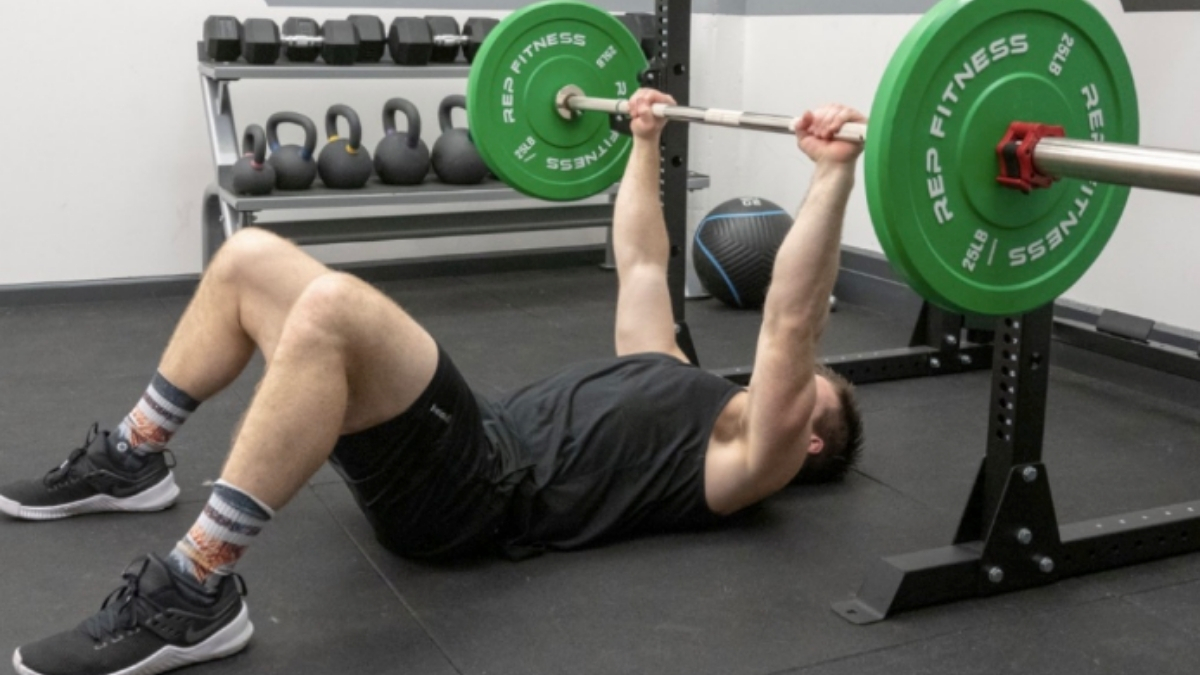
(853, 132)
(1118, 164)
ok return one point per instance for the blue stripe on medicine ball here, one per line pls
(712, 258)
(733, 253)
(759, 214)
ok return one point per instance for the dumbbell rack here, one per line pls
(226, 212)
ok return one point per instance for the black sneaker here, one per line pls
(152, 624)
(90, 481)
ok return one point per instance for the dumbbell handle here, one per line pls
(853, 132)
(302, 40)
(450, 40)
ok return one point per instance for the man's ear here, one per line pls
(815, 445)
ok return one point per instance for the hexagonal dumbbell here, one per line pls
(372, 37)
(409, 41)
(302, 40)
(444, 51)
(416, 42)
(222, 38)
(339, 42)
(475, 32)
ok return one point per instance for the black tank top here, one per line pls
(615, 447)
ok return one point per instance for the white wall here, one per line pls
(107, 154)
(793, 63)
(718, 55)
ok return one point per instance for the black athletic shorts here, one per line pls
(431, 481)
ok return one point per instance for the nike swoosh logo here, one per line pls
(193, 636)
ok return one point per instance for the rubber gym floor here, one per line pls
(751, 600)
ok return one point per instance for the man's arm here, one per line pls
(777, 423)
(645, 320)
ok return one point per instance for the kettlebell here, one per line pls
(252, 175)
(344, 164)
(455, 159)
(294, 165)
(401, 158)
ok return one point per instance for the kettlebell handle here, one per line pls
(310, 131)
(448, 104)
(396, 105)
(254, 145)
(331, 130)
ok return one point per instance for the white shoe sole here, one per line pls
(155, 498)
(226, 642)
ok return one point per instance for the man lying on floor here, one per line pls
(641, 442)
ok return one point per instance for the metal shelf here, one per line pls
(225, 212)
(286, 70)
(230, 72)
(470, 223)
(376, 193)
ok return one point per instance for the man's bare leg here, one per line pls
(341, 357)
(347, 359)
(242, 302)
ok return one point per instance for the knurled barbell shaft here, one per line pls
(1119, 164)
(855, 133)
(1113, 163)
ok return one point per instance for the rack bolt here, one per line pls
(1046, 564)
(1024, 535)
(1030, 474)
(995, 575)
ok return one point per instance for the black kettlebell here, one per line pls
(401, 158)
(455, 159)
(344, 164)
(295, 168)
(252, 175)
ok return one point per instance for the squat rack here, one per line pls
(669, 72)
(1008, 536)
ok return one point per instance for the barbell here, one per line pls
(1002, 142)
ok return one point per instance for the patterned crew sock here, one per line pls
(229, 522)
(158, 415)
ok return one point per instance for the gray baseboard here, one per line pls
(104, 290)
(868, 280)
(100, 290)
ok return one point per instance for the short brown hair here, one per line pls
(842, 431)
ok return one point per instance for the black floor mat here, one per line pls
(752, 599)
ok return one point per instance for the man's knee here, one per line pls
(325, 311)
(245, 252)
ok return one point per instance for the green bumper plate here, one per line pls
(525, 61)
(966, 71)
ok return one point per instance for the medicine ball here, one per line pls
(734, 250)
